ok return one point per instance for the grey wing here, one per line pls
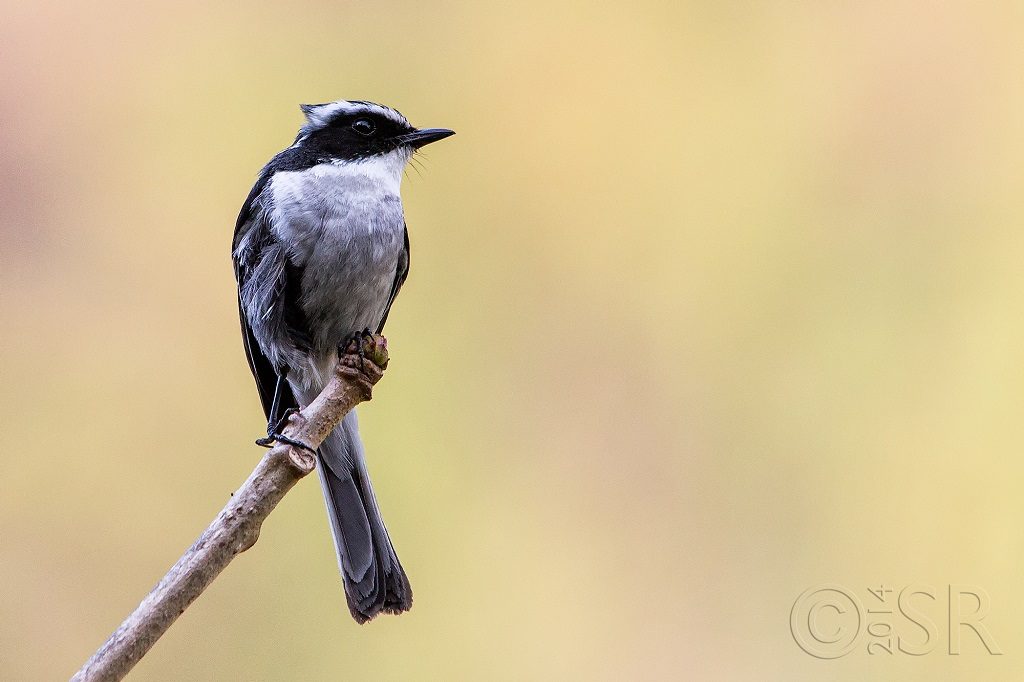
(401, 272)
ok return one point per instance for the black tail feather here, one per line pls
(373, 577)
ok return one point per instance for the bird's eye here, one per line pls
(364, 126)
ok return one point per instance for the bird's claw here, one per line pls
(274, 434)
(367, 347)
(273, 438)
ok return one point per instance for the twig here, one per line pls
(237, 527)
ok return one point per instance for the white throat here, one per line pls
(382, 172)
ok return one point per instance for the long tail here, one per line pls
(374, 579)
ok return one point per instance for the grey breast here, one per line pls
(346, 231)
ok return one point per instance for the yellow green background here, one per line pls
(710, 303)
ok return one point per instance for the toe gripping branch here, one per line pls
(275, 425)
(358, 343)
(274, 435)
(367, 354)
(364, 353)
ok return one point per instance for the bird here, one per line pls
(320, 251)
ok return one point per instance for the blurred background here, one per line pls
(711, 303)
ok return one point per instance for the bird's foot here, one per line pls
(363, 346)
(274, 434)
(364, 356)
(278, 426)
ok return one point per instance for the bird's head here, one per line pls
(355, 130)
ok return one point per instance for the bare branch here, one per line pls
(237, 527)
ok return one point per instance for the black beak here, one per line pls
(419, 138)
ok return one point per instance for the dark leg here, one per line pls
(277, 423)
(273, 421)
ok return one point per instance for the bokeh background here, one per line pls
(711, 303)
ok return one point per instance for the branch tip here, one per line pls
(237, 527)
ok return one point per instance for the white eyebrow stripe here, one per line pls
(320, 115)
